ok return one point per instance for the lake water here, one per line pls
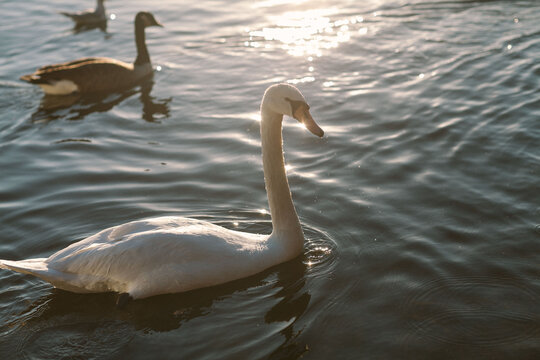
(421, 205)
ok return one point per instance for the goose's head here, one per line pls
(146, 19)
(287, 100)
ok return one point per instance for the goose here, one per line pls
(97, 74)
(172, 254)
(88, 17)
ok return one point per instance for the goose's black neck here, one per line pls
(140, 40)
(100, 6)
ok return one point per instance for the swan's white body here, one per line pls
(155, 256)
(174, 254)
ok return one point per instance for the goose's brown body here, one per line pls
(90, 75)
(88, 17)
(97, 74)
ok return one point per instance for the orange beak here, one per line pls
(303, 115)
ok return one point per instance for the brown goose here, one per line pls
(97, 74)
(88, 17)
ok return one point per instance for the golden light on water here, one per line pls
(270, 3)
(304, 79)
(254, 116)
(308, 33)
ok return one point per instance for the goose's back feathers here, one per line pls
(156, 256)
(88, 75)
(86, 17)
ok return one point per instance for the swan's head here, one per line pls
(147, 19)
(287, 100)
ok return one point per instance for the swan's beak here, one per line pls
(303, 115)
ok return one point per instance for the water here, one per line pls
(420, 205)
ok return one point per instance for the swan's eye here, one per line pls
(297, 105)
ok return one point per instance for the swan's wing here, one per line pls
(84, 266)
(161, 255)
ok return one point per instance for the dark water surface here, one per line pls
(421, 205)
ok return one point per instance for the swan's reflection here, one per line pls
(294, 302)
(77, 107)
(77, 316)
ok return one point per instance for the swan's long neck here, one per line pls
(140, 40)
(286, 226)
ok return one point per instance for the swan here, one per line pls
(176, 254)
(97, 74)
(88, 17)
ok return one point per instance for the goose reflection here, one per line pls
(77, 107)
(153, 109)
(85, 315)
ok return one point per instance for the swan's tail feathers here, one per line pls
(30, 266)
(36, 267)
(40, 268)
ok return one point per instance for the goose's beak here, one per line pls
(303, 115)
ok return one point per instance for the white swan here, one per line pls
(174, 254)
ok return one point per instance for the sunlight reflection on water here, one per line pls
(270, 3)
(306, 33)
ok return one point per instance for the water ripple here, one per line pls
(481, 311)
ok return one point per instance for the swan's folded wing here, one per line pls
(160, 255)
